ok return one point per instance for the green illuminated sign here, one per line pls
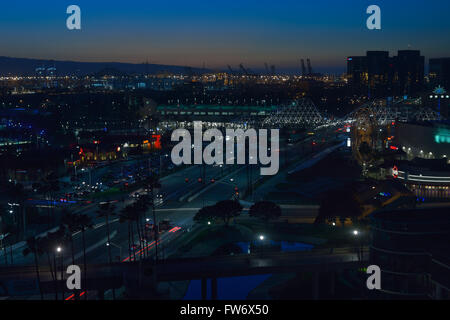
(439, 138)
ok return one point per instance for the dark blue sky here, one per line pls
(218, 33)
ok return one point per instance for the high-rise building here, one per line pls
(409, 71)
(371, 74)
(379, 68)
(440, 72)
(357, 73)
(411, 248)
(378, 75)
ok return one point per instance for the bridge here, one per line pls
(303, 112)
(401, 110)
(140, 278)
(297, 113)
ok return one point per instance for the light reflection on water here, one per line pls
(234, 288)
(283, 246)
(238, 288)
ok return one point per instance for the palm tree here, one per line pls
(50, 243)
(106, 210)
(70, 221)
(47, 248)
(16, 191)
(54, 187)
(6, 229)
(84, 223)
(153, 183)
(142, 205)
(34, 245)
(127, 215)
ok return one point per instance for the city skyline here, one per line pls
(218, 35)
(231, 152)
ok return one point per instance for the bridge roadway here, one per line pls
(22, 280)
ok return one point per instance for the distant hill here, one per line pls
(26, 67)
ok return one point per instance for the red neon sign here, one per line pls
(395, 172)
(157, 141)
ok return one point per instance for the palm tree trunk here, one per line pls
(138, 233)
(109, 250)
(132, 238)
(84, 261)
(6, 254)
(129, 240)
(144, 251)
(155, 224)
(141, 228)
(50, 265)
(36, 264)
(24, 218)
(56, 277)
(11, 253)
(109, 239)
(146, 233)
(72, 251)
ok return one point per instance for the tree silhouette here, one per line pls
(205, 214)
(338, 204)
(153, 183)
(227, 209)
(127, 215)
(106, 210)
(84, 222)
(34, 246)
(265, 210)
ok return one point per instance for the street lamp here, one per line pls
(58, 253)
(359, 248)
(261, 237)
(117, 246)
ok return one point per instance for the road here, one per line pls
(100, 275)
(181, 213)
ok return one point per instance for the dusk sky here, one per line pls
(218, 33)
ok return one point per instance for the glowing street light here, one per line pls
(355, 232)
(58, 249)
(261, 237)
